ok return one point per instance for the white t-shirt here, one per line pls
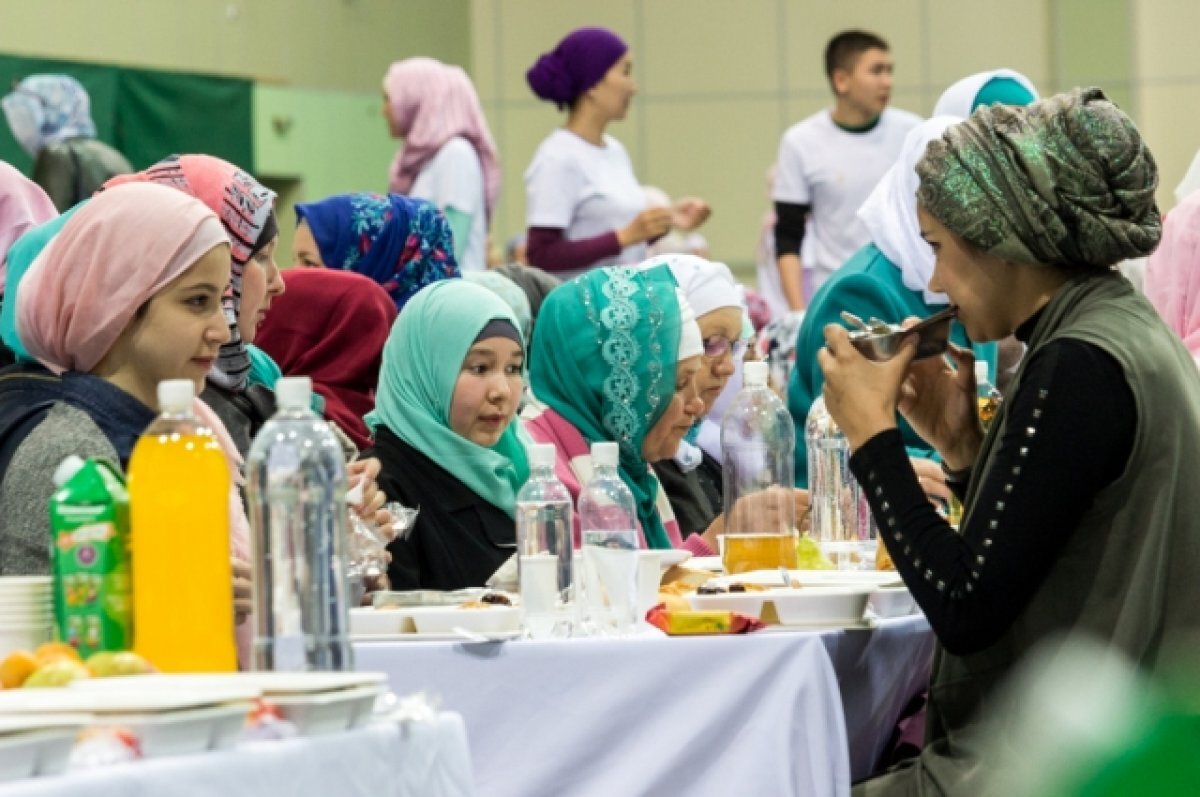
(584, 190)
(834, 171)
(453, 178)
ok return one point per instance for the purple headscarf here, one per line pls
(578, 62)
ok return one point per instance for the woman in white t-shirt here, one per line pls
(449, 157)
(583, 205)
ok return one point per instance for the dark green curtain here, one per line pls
(148, 114)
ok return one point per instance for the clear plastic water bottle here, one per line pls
(758, 442)
(608, 523)
(988, 396)
(296, 491)
(841, 515)
(545, 523)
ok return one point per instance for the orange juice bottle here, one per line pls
(179, 518)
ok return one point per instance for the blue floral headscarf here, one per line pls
(403, 244)
(43, 109)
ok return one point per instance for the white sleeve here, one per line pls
(456, 177)
(552, 188)
(791, 183)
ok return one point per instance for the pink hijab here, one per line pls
(23, 204)
(85, 287)
(1173, 272)
(431, 103)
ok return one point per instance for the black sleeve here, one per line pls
(789, 227)
(1069, 434)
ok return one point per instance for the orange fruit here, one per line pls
(50, 651)
(16, 667)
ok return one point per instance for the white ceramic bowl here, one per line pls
(748, 603)
(190, 731)
(328, 712)
(820, 606)
(22, 583)
(369, 621)
(441, 620)
(892, 602)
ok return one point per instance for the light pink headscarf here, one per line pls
(431, 103)
(1173, 272)
(23, 204)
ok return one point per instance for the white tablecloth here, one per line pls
(418, 759)
(747, 715)
(879, 672)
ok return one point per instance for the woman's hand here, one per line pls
(861, 395)
(243, 590)
(365, 472)
(689, 213)
(939, 403)
(649, 224)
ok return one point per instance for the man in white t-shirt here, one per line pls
(829, 163)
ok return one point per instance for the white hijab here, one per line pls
(890, 212)
(959, 99)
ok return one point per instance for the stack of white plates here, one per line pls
(26, 612)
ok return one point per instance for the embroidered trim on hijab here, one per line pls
(579, 62)
(431, 103)
(402, 243)
(890, 212)
(85, 287)
(45, 109)
(245, 208)
(23, 205)
(1067, 181)
(1005, 86)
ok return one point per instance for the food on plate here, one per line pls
(736, 586)
(808, 552)
(49, 651)
(686, 576)
(56, 672)
(496, 599)
(113, 663)
(16, 667)
(883, 560)
(701, 622)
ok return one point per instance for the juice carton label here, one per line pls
(89, 522)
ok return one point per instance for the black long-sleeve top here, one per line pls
(1070, 433)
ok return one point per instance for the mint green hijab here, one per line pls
(19, 260)
(421, 363)
(605, 355)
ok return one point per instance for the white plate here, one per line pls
(809, 578)
(269, 684)
(495, 636)
(825, 606)
(712, 564)
(748, 603)
(369, 620)
(43, 752)
(118, 700)
(669, 557)
(892, 602)
(195, 730)
(489, 620)
(329, 712)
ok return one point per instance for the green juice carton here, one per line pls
(89, 532)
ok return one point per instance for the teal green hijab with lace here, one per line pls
(422, 359)
(604, 357)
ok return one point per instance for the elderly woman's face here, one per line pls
(664, 437)
(718, 328)
(974, 280)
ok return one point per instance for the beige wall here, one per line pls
(719, 81)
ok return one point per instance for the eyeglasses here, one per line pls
(718, 346)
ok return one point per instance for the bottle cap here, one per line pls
(67, 469)
(541, 455)
(755, 373)
(981, 371)
(293, 393)
(605, 454)
(176, 395)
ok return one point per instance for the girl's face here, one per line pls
(721, 331)
(664, 437)
(176, 335)
(261, 283)
(488, 390)
(615, 90)
(305, 253)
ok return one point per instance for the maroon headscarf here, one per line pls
(331, 326)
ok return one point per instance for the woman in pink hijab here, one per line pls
(449, 157)
(23, 204)
(126, 295)
(1173, 273)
